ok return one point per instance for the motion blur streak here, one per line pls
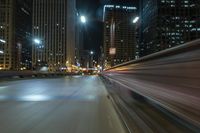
(169, 78)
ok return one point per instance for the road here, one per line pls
(77, 104)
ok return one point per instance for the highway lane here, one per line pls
(76, 104)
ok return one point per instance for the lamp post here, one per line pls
(92, 56)
(83, 19)
(136, 19)
(3, 42)
(38, 45)
(91, 52)
(37, 41)
(1, 52)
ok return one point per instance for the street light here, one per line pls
(2, 41)
(135, 20)
(91, 58)
(91, 52)
(83, 19)
(1, 52)
(37, 41)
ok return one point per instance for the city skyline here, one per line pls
(59, 39)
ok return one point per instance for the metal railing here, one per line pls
(170, 78)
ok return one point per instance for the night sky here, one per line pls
(93, 9)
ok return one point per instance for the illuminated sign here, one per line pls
(112, 51)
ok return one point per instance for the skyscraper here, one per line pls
(167, 23)
(54, 33)
(6, 34)
(119, 34)
(15, 25)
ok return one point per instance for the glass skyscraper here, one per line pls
(168, 23)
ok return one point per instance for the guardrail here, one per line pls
(170, 78)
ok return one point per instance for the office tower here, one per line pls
(167, 23)
(6, 34)
(54, 33)
(119, 34)
(15, 26)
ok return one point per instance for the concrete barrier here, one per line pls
(30, 74)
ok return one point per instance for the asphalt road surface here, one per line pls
(77, 104)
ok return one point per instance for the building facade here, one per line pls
(54, 29)
(167, 23)
(15, 30)
(6, 34)
(119, 34)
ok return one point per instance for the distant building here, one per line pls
(85, 59)
(167, 23)
(54, 27)
(15, 25)
(119, 34)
